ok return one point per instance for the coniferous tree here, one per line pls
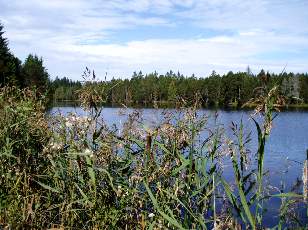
(35, 74)
(10, 65)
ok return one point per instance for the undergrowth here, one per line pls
(74, 172)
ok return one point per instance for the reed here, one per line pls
(77, 172)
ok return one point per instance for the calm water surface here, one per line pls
(285, 149)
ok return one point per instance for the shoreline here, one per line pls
(166, 105)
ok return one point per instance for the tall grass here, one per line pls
(77, 172)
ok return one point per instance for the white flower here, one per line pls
(85, 119)
(88, 152)
(68, 124)
(305, 181)
(55, 146)
(151, 215)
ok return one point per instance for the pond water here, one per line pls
(285, 149)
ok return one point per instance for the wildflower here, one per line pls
(119, 191)
(73, 118)
(305, 180)
(151, 215)
(55, 146)
(87, 151)
(68, 124)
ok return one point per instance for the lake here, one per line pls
(285, 149)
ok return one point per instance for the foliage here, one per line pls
(34, 73)
(31, 73)
(23, 134)
(10, 66)
(77, 172)
(170, 89)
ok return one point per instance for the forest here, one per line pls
(228, 90)
(153, 89)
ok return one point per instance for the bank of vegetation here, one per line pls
(72, 172)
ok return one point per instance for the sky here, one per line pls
(119, 37)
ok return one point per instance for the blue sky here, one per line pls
(190, 36)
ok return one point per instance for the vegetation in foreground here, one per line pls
(79, 173)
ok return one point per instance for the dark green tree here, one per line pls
(34, 73)
(10, 65)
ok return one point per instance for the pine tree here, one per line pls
(10, 66)
(35, 73)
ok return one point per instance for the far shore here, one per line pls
(171, 105)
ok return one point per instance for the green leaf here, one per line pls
(91, 171)
(289, 194)
(246, 208)
(164, 215)
(190, 211)
(48, 187)
(178, 169)
(232, 198)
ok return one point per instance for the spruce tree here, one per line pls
(10, 65)
(34, 73)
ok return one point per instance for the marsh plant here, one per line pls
(76, 172)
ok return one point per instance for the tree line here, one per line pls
(231, 89)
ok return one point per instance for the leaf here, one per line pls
(246, 208)
(91, 171)
(190, 211)
(232, 198)
(48, 187)
(289, 194)
(109, 177)
(178, 169)
(81, 192)
(164, 215)
(163, 148)
(151, 227)
(138, 142)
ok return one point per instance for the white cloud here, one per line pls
(199, 56)
(73, 34)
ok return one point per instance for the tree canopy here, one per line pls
(231, 89)
(34, 73)
(10, 66)
(31, 73)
